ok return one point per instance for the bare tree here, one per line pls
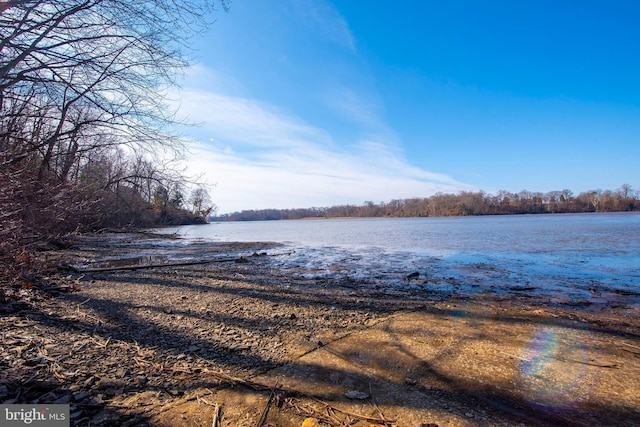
(626, 191)
(80, 82)
(201, 203)
(98, 67)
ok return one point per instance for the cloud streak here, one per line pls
(261, 156)
(327, 21)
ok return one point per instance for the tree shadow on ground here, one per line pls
(153, 334)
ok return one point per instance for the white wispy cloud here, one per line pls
(247, 121)
(261, 156)
(363, 109)
(327, 21)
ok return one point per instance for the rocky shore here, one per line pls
(160, 332)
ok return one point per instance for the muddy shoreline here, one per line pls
(165, 345)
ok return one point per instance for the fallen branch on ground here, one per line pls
(172, 264)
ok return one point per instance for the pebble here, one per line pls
(353, 394)
(238, 348)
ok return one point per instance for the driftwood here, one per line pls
(145, 266)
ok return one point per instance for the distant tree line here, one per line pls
(463, 203)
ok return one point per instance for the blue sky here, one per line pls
(315, 103)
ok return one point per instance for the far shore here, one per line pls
(310, 218)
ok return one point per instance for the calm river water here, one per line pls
(571, 256)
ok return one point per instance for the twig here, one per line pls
(234, 380)
(205, 401)
(216, 416)
(599, 365)
(334, 419)
(630, 345)
(374, 402)
(87, 315)
(515, 357)
(382, 420)
(81, 346)
(309, 411)
(564, 359)
(265, 411)
(103, 345)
